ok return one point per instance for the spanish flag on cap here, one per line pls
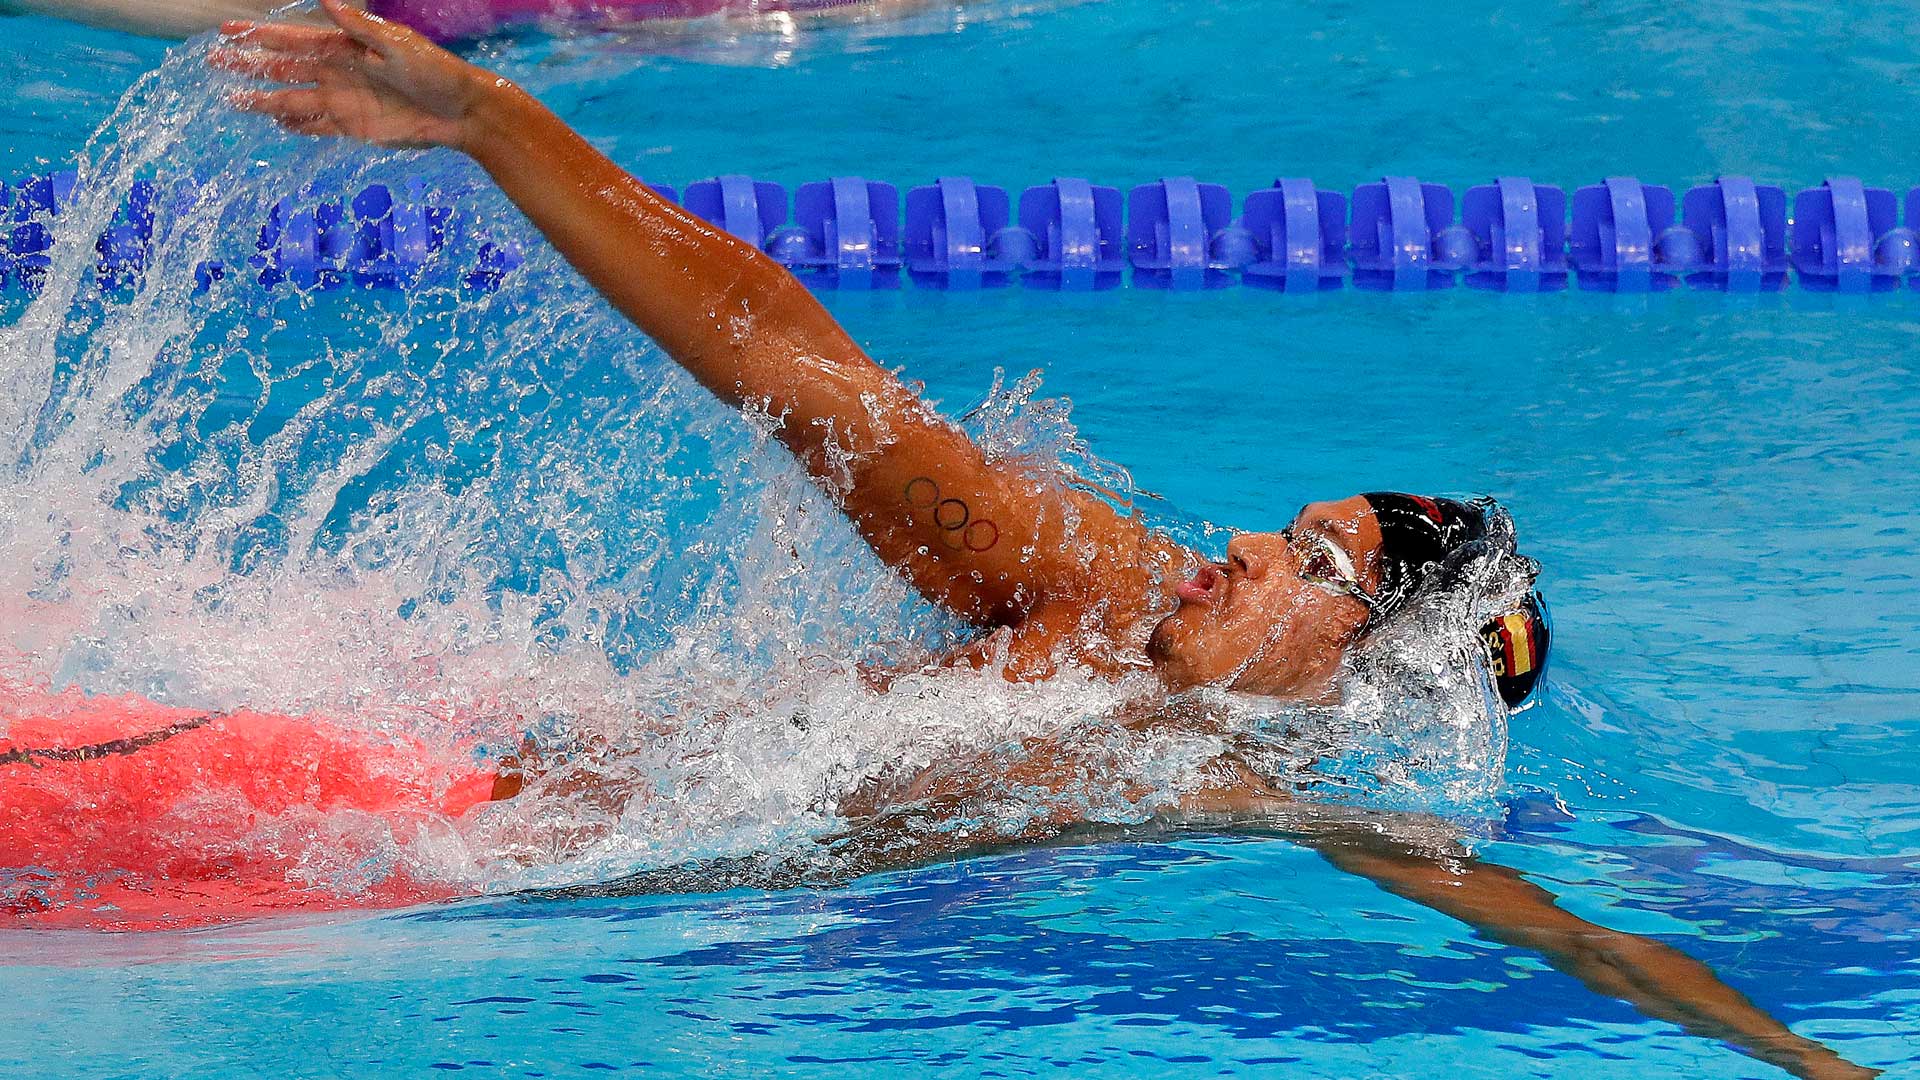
(1517, 649)
(1418, 534)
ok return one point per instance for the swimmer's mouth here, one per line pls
(1208, 587)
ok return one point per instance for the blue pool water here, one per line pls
(1722, 491)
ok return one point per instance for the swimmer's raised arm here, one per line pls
(986, 540)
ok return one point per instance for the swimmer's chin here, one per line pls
(1163, 655)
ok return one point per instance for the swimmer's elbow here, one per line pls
(774, 305)
(777, 329)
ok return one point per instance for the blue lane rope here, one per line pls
(1069, 234)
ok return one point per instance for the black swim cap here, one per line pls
(1418, 536)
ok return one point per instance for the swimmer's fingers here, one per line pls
(383, 37)
(301, 111)
(314, 125)
(286, 53)
(266, 66)
(316, 41)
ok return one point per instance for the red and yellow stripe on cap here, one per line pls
(1516, 643)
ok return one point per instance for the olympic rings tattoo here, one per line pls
(959, 529)
(922, 493)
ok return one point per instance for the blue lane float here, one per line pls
(29, 206)
(951, 226)
(1073, 239)
(848, 233)
(1398, 233)
(1402, 237)
(1298, 235)
(749, 209)
(1519, 231)
(1625, 238)
(1741, 230)
(1171, 228)
(1844, 237)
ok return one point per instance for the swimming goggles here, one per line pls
(1326, 564)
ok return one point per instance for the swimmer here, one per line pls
(1052, 574)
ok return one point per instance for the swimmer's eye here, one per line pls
(1320, 561)
(1319, 565)
(1323, 562)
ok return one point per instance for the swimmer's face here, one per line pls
(1276, 617)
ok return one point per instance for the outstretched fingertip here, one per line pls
(346, 16)
(382, 35)
(235, 61)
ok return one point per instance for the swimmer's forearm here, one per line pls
(1659, 980)
(720, 307)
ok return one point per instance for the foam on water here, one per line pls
(470, 518)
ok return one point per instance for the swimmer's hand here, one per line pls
(366, 78)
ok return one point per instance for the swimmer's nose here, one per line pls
(1251, 563)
